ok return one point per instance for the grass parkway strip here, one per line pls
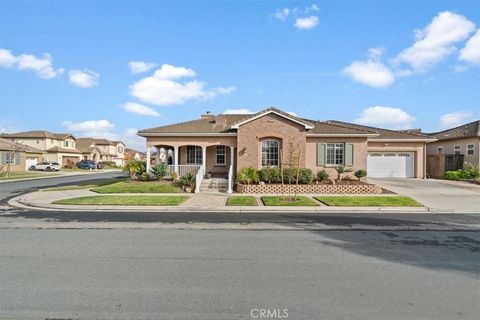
(288, 201)
(125, 200)
(242, 201)
(346, 201)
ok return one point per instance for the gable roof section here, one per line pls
(40, 134)
(307, 124)
(9, 145)
(384, 134)
(468, 130)
(63, 150)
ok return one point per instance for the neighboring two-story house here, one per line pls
(58, 147)
(102, 150)
(18, 156)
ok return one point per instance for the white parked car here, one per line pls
(47, 166)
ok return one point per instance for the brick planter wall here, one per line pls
(310, 189)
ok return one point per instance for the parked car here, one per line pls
(47, 166)
(100, 165)
(87, 164)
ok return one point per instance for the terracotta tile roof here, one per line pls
(468, 130)
(63, 150)
(7, 145)
(384, 133)
(39, 134)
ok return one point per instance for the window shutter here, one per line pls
(349, 154)
(17, 158)
(321, 154)
(3, 157)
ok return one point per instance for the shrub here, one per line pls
(322, 175)
(459, 175)
(270, 175)
(360, 174)
(247, 175)
(473, 170)
(305, 175)
(187, 180)
(144, 176)
(108, 164)
(341, 170)
(136, 168)
(159, 171)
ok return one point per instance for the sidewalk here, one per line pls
(195, 203)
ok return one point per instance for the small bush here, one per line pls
(108, 164)
(136, 168)
(473, 170)
(459, 175)
(270, 175)
(305, 175)
(360, 174)
(144, 177)
(247, 175)
(322, 175)
(159, 171)
(187, 180)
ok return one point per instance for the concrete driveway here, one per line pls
(435, 194)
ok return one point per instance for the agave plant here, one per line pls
(187, 181)
(247, 175)
(341, 170)
(159, 171)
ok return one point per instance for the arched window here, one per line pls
(270, 153)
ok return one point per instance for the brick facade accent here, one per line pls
(272, 126)
(310, 189)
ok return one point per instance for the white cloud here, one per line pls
(312, 8)
(42, 66)
(282, 14)
(454, 119)
(140, 66)
(371, 73)
(165, 88)
(376, 52)
(89, 125)
(140, 109)
(471, 52)
(306, 23)
(436, 41)
(386, 117)
(83, 78)
(238, 111)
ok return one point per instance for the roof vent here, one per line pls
(207, 115)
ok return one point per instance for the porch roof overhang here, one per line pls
(405, 140)
(186, 134)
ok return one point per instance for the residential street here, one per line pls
(195, 274)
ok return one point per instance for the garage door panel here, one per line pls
(390, 164)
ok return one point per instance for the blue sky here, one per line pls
(64, 66)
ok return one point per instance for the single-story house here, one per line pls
(19, 156)
(225, 143)
(454, 147)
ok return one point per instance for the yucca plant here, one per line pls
(159, 171)
(187, 181)
(341, 170)
(247, 175)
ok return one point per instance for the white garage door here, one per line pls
(30, 162)
(390, 165)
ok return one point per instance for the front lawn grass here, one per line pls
(138, 187)
(125, 200)
(82, 185)
(284, 201)
(242, 201)
(367, 201)
(25, 175)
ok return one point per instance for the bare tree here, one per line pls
(293, 156)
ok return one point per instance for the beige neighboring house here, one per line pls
(58, 147)
(462, 141)
(20, 157)
(102, 150)
(131, 154)
(220, 145)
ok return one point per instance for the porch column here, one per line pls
(204, 157)
(148, 160)
(157, 158)
(232, 157)
(175, 159)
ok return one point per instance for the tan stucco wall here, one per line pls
(359, 154)
(416, 147)
(32, 142)
(448, 148)
(269, 126)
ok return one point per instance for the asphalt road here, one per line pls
(15, 188)
(195, 274)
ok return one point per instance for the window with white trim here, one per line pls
(457, 149)
(270, 153)
(335, 153)
(439, 150)
(221, 155)
(10, 157)
(470, 149)
(194, 155)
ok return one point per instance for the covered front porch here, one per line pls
(205, 159)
